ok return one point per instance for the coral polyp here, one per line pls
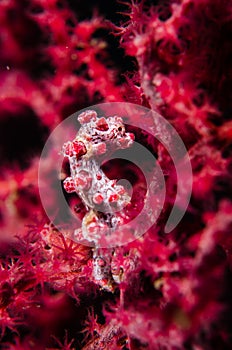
(169, 291)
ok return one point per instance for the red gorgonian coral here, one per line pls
(161, 291)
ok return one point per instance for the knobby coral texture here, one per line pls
(161, 291)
